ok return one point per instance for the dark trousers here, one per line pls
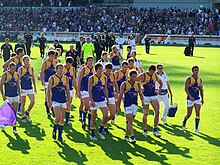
(42, 52)
(147, 48)
(191, 49)
(110, 47)
(28, 48)
(6, 57)
(98, 56)
(105, 46)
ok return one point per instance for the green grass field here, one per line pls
(34, 144)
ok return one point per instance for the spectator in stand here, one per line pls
(144, 20)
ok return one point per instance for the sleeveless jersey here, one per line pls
(194, 87)
(18, 63)
(11, 86)
(59, 88)
(87, 73)
(116, 59)
(122, 77)
(69, 73)
(49, 69)
(149, 85)
(130, 94)
(110, 84)
(98, 93)
(26, 78)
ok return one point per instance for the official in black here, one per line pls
(98, 47)
(42, 44)
(79, 48)
(6, 50)
(58, 45)
(28, 42)
(74, 54)
(192, 42)
(111, 41)
(20, 44)
(147, 44)
(105, 41)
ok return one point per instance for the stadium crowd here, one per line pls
(90, 19)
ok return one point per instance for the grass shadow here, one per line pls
(70, 155)
(176, 130)
(211, 140)
(17, 144)
(33, 130)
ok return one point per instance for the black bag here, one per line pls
(187, 51)
(172, 110)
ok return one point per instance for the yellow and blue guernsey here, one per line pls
(87, 73)
(128, 70)
(98, 93)
(149, 85)
(131, 93)
(18, 63)
(195, 84)
(49, 69)
(11, 86)
(122, 77)
(26, 78)
(116, 59)
(59, 88)
(110, 84)
(69, 73)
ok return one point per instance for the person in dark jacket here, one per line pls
(20, 45)
(105, 41)
(28, 42)
(79, 48)
(6, 50)
(147, 43)
(192, 42)
(58, 45)
(98, 46)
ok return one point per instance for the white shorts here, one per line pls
(111, 101)
(71, 93)
(98, 105)
(46, 85)
(12, 99)
(133, 47)
(25, 92)
(85, 94)
(192, 103)
(116, 67)
(61, 105)
(131, 110)
(148, 99)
